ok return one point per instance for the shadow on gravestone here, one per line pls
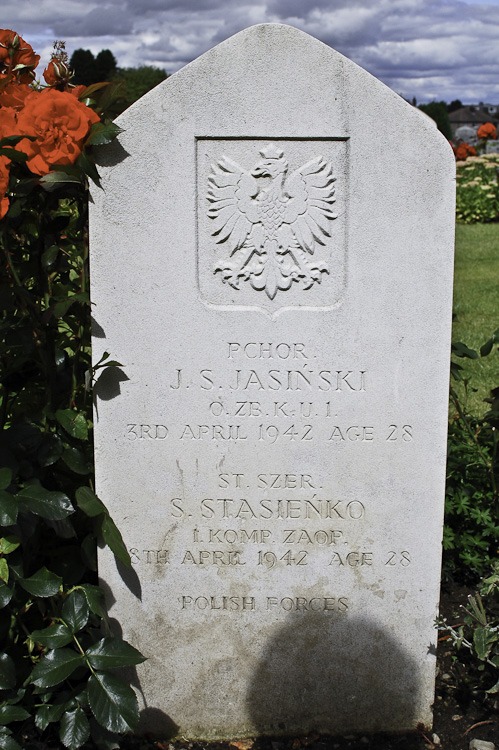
(332, 675)
(108, 385)
(149, 715)
(110, 155)
(97, 330)
(129, 578)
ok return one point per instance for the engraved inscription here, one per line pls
(339, 604)
(149, 556)
(262, 521)
(269, 222)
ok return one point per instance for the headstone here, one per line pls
(272, 265)
(467, 134)
(491, 147)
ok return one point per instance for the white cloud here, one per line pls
(444, 49)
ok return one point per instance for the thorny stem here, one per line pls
(12, 268)
(23, 627)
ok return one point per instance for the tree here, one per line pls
(89, 69)
(456, 104)
(139, 81)
(82, 63)
(438, 112)
(105, 65)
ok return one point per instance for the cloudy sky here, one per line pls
(430, 49)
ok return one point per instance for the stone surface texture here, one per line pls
(271, 259)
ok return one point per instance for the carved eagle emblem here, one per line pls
(271, 226)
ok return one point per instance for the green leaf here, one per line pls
(102, 133)
(7, 672)
(54, 636)
(9, 543)
(114, 540)
(50, 451)
(5, 595)
(461, 350)
(113, 703)
(89, 502)
(482, 641)
(4, 570)
(12, 713)
(75, 424)
(8, 509)
(62, 306)
(55, 667)
(74, 729)
(486, 348)
(53, 180)
(47, 714)
(13, 140)
(105, 356)
(87, 165)
(5, 478)
(75, 610)
(43, 583)
(93, 88)
(11, 153)
(8, 743)
(95, 599)
(75, 459)
(494, 688)
(52, 505)
(113, 652)
(50, 255)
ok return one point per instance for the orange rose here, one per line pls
(77, 91)
(8, 122)
(487, 130)
(14, 51)
(8, 126)
(463, 151)
(60, 125)
(14, 94)
(4, 184)
(56, 73)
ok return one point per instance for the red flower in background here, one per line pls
(463, 151)
(59, 124)
(487, 130)
(16, 53)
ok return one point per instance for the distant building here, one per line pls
(467, 119)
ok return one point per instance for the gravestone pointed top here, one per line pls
(281, 224)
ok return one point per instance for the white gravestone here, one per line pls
(272, 265)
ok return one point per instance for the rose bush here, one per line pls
(486, 131)
(58, 124)
(464, 150)
(56, 663)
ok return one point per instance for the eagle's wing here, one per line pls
(231, 193)
(309, 212)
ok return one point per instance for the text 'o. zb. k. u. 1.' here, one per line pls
(271, 227)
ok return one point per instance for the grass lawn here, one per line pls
(476, 304)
